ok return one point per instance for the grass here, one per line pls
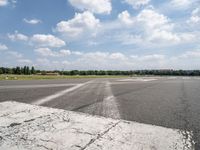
(45, 77)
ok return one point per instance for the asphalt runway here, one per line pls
(172, 102)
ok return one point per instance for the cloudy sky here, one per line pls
(100, 34)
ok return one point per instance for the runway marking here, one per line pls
(107, 107)
(58, 94)
(137, 79)
(109, 104)
(36, 86)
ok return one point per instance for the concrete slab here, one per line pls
(24, 127)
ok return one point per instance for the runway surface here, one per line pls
(172, 102)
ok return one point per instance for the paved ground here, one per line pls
(172, 102)
(27, 127)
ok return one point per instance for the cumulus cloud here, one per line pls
(137, 3)
(95, 6)
(159, 28)
(195, 17)
(3, 47)
(153, 57)
(163, 35)
(15, 54)
(65, 62)
(43, 61)
(32, 21)
(65, 52)
(154, 20)
(117, 56)
(3, 2)
(117, 60)
(47, 40)
(108, 61)
(181, 3)
(126, 18)
(24, 61)
(8, 2)
(46, 52)
(152, 27)
(81, 23)
(191, 54)
(17, 36)
(77, 53)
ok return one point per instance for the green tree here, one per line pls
(28, 72)
(24, 70)
(18, 70)
(32, 70)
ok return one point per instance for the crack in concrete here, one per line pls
(1, 139)
(77, 130)
(14, 124)
(30, 120)
(48, 141)
(8, 114)
(99, 136)
(38, 145)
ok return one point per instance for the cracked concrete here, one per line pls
(26, 127)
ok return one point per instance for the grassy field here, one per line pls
(45, 77)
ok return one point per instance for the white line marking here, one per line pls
(137, 79)
(36, 86)
(59, 94)
(110, 106)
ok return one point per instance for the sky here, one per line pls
(100, 34)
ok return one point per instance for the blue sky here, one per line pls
(100, 34)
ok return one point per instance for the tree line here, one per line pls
(26, 70)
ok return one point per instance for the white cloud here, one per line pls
(81, 23)
(15, 54)
(117, 60)
(113, 61)
(32, 21)
(65, 62)
(46, 52)
(179, 4)
(43, 61)
(47, 40)
(159, 28)
(65, 52)
(195, 16)
(17, 36)
(24, 61)
(77, 53)
(153, 57)
(92, 43)
(152, 27)
(137, 3)
(3, 2)
(117, 56)
(129, 39)
(154, 20)
(95, 6)
(162, 36)
(3, 47)
(126, 18)
(191, 54)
